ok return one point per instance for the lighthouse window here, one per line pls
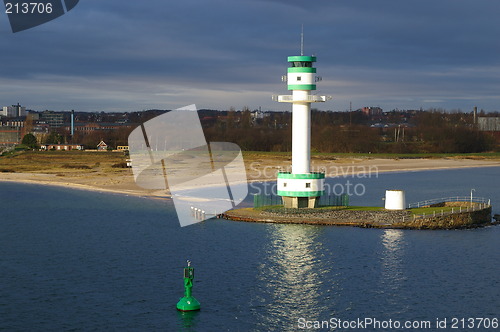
(284, 184)
(308, 184)
(299, 78)
(301, 64)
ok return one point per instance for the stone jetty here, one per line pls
(466, 217)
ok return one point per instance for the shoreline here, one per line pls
(124, 184)
(78, 186)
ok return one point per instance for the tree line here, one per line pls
(430, 131)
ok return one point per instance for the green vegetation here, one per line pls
(364, 208)
(76, 166)
(416, 211)
(54, 138)
(432, 210)
(120, 165)
(30, 141)
(281, 209)
(398, 132)
(60, 161)
(395, 134)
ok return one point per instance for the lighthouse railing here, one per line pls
(261, 200)
(449, 199)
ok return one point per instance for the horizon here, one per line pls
(67, 110)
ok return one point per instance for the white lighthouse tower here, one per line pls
(301, 188)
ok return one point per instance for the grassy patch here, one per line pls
(281, 209)
(431, 210)
(120, 165)
(61, 161)
(365, 208)
(417, 211)
(76, 166)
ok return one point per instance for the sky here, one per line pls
(116, 55)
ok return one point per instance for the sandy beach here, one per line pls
(258, 168)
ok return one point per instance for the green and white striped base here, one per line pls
(301, 185)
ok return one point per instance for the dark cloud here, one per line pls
(133, 55)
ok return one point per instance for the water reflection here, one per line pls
(186, 321)
(392, 257)
(294, 276)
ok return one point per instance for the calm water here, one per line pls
(79, 261)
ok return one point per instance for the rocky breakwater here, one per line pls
(463, 215)
(340, 217)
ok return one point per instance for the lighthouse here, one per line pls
(301, 188)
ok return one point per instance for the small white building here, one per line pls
(61, 147)
(102, 146)
(395, 200)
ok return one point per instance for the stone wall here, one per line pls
(455, 220)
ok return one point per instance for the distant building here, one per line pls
(53, 119)
(12, 131)
(122, 148)
(88, 128)
(102, 146)
(372, 111)
(18, 123)
(14, 111)
(33, 116)
(62, 147)
(10, 135)
(488, 123)
(258, 115)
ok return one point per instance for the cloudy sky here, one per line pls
(116, 55)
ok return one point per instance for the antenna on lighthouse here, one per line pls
(302, 41)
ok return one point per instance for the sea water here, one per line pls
(75, 260)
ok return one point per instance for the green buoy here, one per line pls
(188, 302)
